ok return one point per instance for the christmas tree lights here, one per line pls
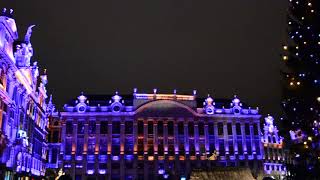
(301, 88)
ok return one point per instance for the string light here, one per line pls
(285, 47)
(285, 57)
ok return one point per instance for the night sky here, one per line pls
(219, 47)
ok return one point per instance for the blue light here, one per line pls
(166, 176)
(161, 171)
(115, 158)
(129, 157)
(183, 178)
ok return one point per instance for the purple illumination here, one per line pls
(90, 171)
(129, 157)
(161, 171)
(102, 171)
(115, 158)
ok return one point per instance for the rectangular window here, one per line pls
(255, 129)
(91, 145)
(80, 127)
(68, 147)
(103, 146)
(150, 127)
(257, 142)
(191, 129)
(115, 146)
(140, 128)
(69, 127)
(247, 129)
(160, 128)
(128, 127)
(180, 128)
(92, 127)
(229, 127)
(79, 150)
(221, 147)
(238, 128)
(211, 128)
(201, 128)
(220, 129)
(116, 127)
(240, 147)
(249, 149)
(170, 128)
(54, 155)
(104, 127)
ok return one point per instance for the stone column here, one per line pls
(176, 138)
(165, 138)
(186, 139)
(155, 138)
(122, 143)
(145, 138)
(63, 140)
(206, 135)
(225, 137)
(216, 137)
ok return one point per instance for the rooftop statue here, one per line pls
(28, 34)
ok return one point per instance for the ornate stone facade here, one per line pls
(23, 107)
(154, 136)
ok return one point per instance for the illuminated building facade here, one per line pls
(152, 136)
(275, 156)
(23, 108)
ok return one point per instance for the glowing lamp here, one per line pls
(285, 57)
(285, 47)
(102, 171)
(161, 171)
(318, 99)
(115, 158)
(90, 171)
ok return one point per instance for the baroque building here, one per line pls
(23, 108)
(154, 136)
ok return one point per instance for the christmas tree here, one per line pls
(301, 94)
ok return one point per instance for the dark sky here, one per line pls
(221, 47)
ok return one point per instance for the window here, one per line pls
(128, 127)
(55, 137)
(170, 128)
(238, 128)
(91, 144)
(247, 129)
(249, 149)
(140, 128)
(68, 146)
(221, 147)
(116, 127)
(220, 128)
(180, 128)
(201, 128)
(103, 146)
(229, 126)
(255, 129)
(92, 127)
(211, 128)
(104, 127)
(69, 127)
(191, 129)
(160, 128)
(150, 127)
(79, 150)
(54, 155)
(240, 148)
(81, 127)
